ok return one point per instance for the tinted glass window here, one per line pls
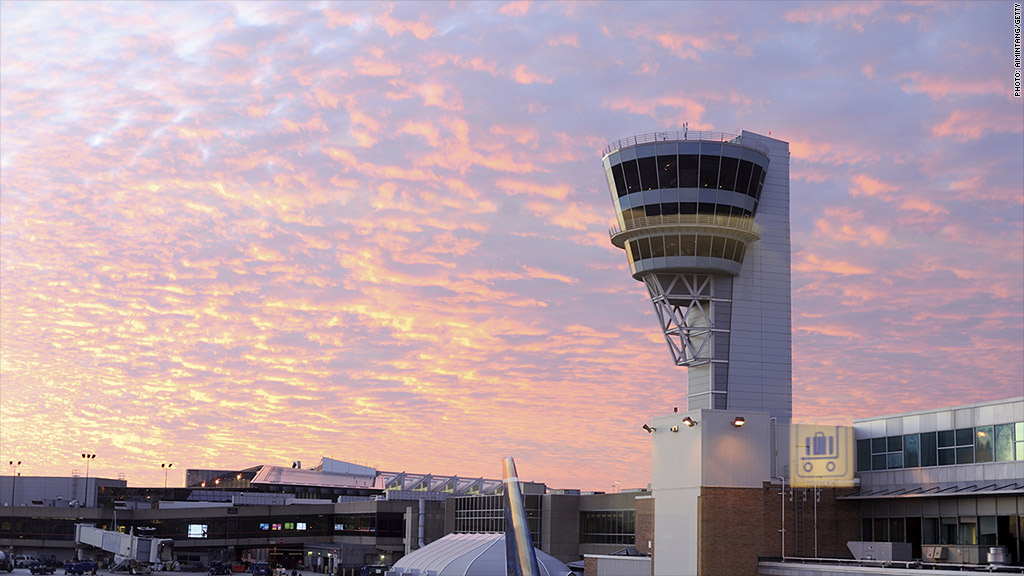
(929, 456)
(878, 445)
(895, 461)
(946, 438)
(727, 177)
(688, 170)
(632, 176)
(965, 437)
(653, 209)
(658, 247)
(669, 209)
(620, 181)
(878, 462)
(718, 247)
(687, 207)
(703, 246)
(911, 451)
(965, 455)
(648, 173)
(709, 171)
(645, 248)
(741, 249)
(688, 245)
(667, 174)
(1004, 442)
(895, 443)
(755, 178)
(672, 245)
(730, 248)
(863, 455)
(743, 177)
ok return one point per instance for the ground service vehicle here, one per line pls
(80, 567)
(40, 567)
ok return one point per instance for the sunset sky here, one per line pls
(254, 233)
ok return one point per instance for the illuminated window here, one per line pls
(1019, 433)
(289, 525)
(300, 525)
(264, 526)
(275, 526)
(197, 530)
(983, 447)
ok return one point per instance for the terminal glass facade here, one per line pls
(977, 445)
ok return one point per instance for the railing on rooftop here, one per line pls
(744, 223)
(695, 135)
(918, 566)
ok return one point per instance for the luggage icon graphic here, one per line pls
(820, 447)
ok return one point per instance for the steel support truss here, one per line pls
(684, 304)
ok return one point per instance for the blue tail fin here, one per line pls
(520, 557)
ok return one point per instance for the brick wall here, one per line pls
(644, 537)
(737, 525)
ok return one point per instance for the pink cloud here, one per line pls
(515, 8)
(559, 192)
(683, 46)
(864, 185)
(812, 263)
(572, 40)
(841, 14)
(523, 75)
(937, 87)
(966, 125)
(394, 26)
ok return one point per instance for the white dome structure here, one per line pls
(468, 555)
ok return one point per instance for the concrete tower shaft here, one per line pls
(689, 208)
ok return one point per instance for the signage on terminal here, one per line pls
(821, 455)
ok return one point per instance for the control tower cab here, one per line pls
(704, 220)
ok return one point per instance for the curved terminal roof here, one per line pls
(468, 555)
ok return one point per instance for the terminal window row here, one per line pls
(981, 444)
(947, 530)
(686, 245)
(608, 527)
(687, 171)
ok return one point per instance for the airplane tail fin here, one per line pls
(520, 557)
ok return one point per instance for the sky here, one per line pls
(253, 233)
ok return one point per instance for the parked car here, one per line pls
(261, 569)
(39, 567)
(24, 561)
(50, 560)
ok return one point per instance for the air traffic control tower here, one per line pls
(704, 220)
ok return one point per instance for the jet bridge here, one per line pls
(129, 550)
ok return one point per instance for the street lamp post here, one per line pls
(166, 468)
(88, 459)
(14, 477)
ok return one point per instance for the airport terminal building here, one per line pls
(737, 488)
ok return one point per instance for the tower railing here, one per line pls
(744, 223)
(684, 135)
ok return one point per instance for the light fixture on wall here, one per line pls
(738, 421)
(690, 422)
(649, 429)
